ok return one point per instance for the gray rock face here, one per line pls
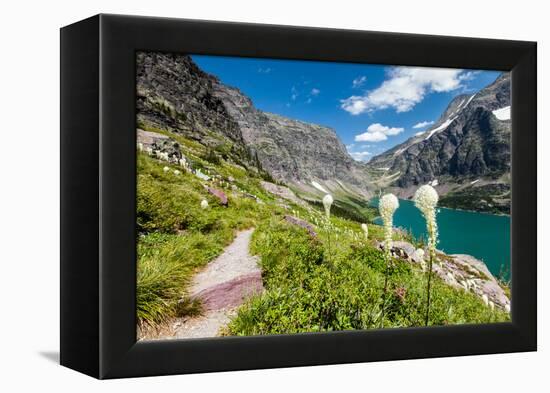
(290, 150)
(175, 95)
(467, 142)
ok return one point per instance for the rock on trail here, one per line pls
(222, 286)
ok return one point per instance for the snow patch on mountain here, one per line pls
(397, 152)
(318, 186)
(442, 127)
(502, 113)
(469, 100)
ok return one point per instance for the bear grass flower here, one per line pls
(204, 204)
(419, 256)
(425, 199)
(387, 206)
(327, 203)
(365, 229)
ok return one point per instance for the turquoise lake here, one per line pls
(484, 236)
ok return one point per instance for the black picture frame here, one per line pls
(98, 196)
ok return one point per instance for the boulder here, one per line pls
(282, 192)
(159, 143)
(218, 194)
(301, 223)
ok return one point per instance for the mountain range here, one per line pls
(465, 154)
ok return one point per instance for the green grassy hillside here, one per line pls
(330, 282)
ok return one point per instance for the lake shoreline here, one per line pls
(448, 208)
(469, 211)
(485, 236)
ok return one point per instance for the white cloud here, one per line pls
(315, 92)
(371, 137)
(264, 70)
(420, 133)
(385, 129)
(360, 155)
(358, 82)
(293, 93)
(423, 124)
(377, 132)
(404, 88)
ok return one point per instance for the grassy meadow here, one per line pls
(333, 281)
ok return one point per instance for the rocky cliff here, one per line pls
(466, 153)
(307, 155)
(175, 95)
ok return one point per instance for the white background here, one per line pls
(29, 181)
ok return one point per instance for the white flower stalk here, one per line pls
(423, 265)
(387, 206)
(177, 173)
(204, 204)
(425, 199)
(485, 299)
(507, 308)
(365, 229)
(166, 169)
(327, 203)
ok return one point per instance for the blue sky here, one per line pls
(371, 107)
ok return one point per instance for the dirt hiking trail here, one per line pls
(224, 284)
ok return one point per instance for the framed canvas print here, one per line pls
(239, 196)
